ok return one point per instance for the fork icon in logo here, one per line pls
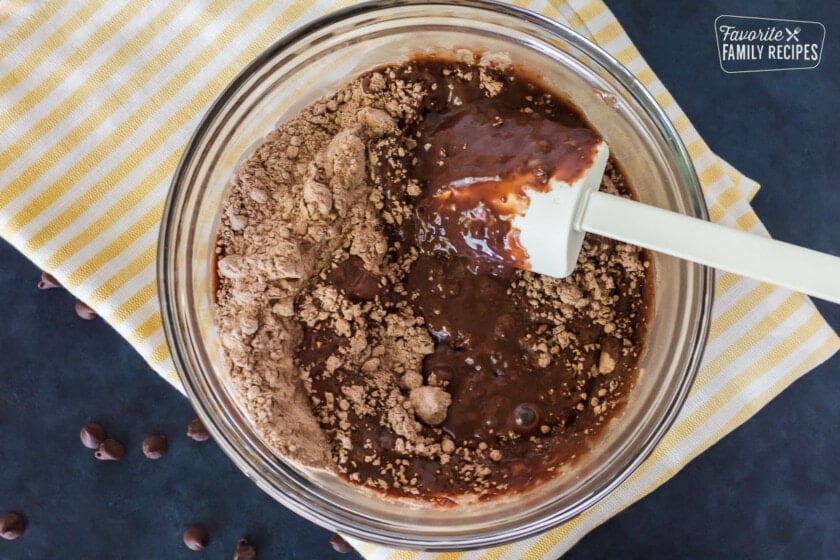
(792, 34)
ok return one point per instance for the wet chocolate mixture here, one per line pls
(479, 157)
(531, 367)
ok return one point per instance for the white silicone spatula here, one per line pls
(553, 226)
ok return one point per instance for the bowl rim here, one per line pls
(170, 232)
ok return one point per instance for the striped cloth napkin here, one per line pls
(98, 99)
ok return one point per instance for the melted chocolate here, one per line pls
(478, 161)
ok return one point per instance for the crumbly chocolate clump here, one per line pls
(403, 370)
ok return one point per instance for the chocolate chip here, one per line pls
(196, 431)
(364, 288)
(48, 281)
(340, 545)
(12, 526)
(110, 450)
(244, 551)
(352, 278)
(92, 435)
(196, 537)
(527, 417)
(154, 446)
(85, 312)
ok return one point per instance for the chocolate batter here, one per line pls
(433, 367)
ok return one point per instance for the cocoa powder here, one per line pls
(302, 198)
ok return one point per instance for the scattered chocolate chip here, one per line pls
(92, 435)
(196, 431)
(110, 450)
(85, 312)
(355, 281)
(154, 446)
(244, 551)
(196, 537)
(48, 281)
(340, 545)
(12, 526)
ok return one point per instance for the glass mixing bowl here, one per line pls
(303, 66)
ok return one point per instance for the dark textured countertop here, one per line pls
(769, 490)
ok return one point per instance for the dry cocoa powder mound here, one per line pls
(302, 196)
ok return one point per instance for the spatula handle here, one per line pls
(747, 254)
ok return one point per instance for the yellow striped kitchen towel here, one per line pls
(98, 99)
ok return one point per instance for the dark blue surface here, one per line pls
(769, 490)
(59, 372)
